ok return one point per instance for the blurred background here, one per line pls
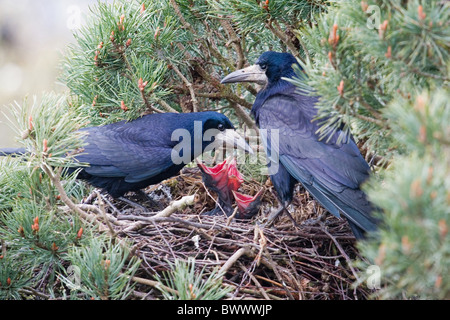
(33, 37)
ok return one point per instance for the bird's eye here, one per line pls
(221, 127)
(263, 66)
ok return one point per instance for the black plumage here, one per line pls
(129, 156)
(331, 171)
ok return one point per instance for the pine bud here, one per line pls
(191, 287)
(94, 102)
(35, 226)
(30, 123)
(443, 228)
(120, 23)
(334, 37)
(406, 244)
(21, 231)
(79, 233)
(420, 104)
(25, 134)
(123, 106)
(422, 15)
(364, 6)
(382, 29)
(157, 32)
(54, 247)
(330, 57)
(142, 84)
(128, 43)
(44, 145)
(416, 190)
(388, 54)
(96, 58)
(422, 134)
(340, 88)
(143, 8)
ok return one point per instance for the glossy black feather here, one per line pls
(128, 156)
(332, 172)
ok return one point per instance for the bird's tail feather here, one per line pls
(12, 151)
(360, 220)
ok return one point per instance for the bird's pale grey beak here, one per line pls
(231, 139)
(253, 73)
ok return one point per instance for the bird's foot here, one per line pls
(276, 213)
(132, 203)
(316, 221)
(273, 216)
(152, 203)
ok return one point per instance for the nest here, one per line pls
(310, 258)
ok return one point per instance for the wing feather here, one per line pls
(332, 172)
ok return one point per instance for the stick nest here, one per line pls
(309, 260)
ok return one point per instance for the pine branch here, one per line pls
(188, 85)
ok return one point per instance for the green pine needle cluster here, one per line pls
(40, 239)
(187, 283)
(381, 69)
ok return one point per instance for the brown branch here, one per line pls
(165, 105)
(183, 21)
(169, 210)
(55, 178)
(188, 85)
(276, 30)
(154, 284)
(234, 41)
(232, 260)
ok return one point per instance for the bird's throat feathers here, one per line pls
(271, 89)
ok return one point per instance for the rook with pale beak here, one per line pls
(131, 155)
(331, 168)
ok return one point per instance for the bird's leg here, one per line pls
(132, 203)
(90, 198)
(321, 217)
(146, 197)
(274, 215)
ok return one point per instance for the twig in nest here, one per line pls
(154, 284)
(169, 210)
(103, 213)
(227, 265)
(230, 218)
(341, 250)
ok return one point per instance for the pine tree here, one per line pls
(381, 68)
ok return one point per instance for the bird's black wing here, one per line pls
(126, 151)
(331, 172)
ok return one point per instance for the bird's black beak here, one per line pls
(253, 73)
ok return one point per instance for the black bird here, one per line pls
(129, 156)
(331, 171)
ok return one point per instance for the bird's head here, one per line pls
(268, 69)
(219, 129)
